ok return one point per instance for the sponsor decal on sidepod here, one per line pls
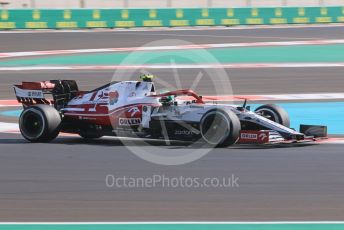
(129, 121)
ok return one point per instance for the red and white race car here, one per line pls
(134, 107)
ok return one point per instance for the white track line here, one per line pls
(277, 97)
(221, 36)
(177, 66)
(174, 47)
(8, 127)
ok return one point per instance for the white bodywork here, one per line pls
(194, 113)
(128, 93)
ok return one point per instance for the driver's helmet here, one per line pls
(147, 77)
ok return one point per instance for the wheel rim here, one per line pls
(215, 128)
(32, 124)
(268, 114)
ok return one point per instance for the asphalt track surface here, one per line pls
(242, 81)
(70, 40)
(65, 180)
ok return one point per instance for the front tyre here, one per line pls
(40, 123)
(274, 113)
(220, 128)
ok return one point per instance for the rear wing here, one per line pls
(54, 92)
(33, 92)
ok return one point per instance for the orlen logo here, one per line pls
(251, 136)
(129, 121)
(133, 111)
(262, 136)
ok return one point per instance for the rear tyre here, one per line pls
(40, 123)
(274, 113)
(220, 128)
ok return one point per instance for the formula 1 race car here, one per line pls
(134, 107)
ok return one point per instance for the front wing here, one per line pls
(262, 137)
